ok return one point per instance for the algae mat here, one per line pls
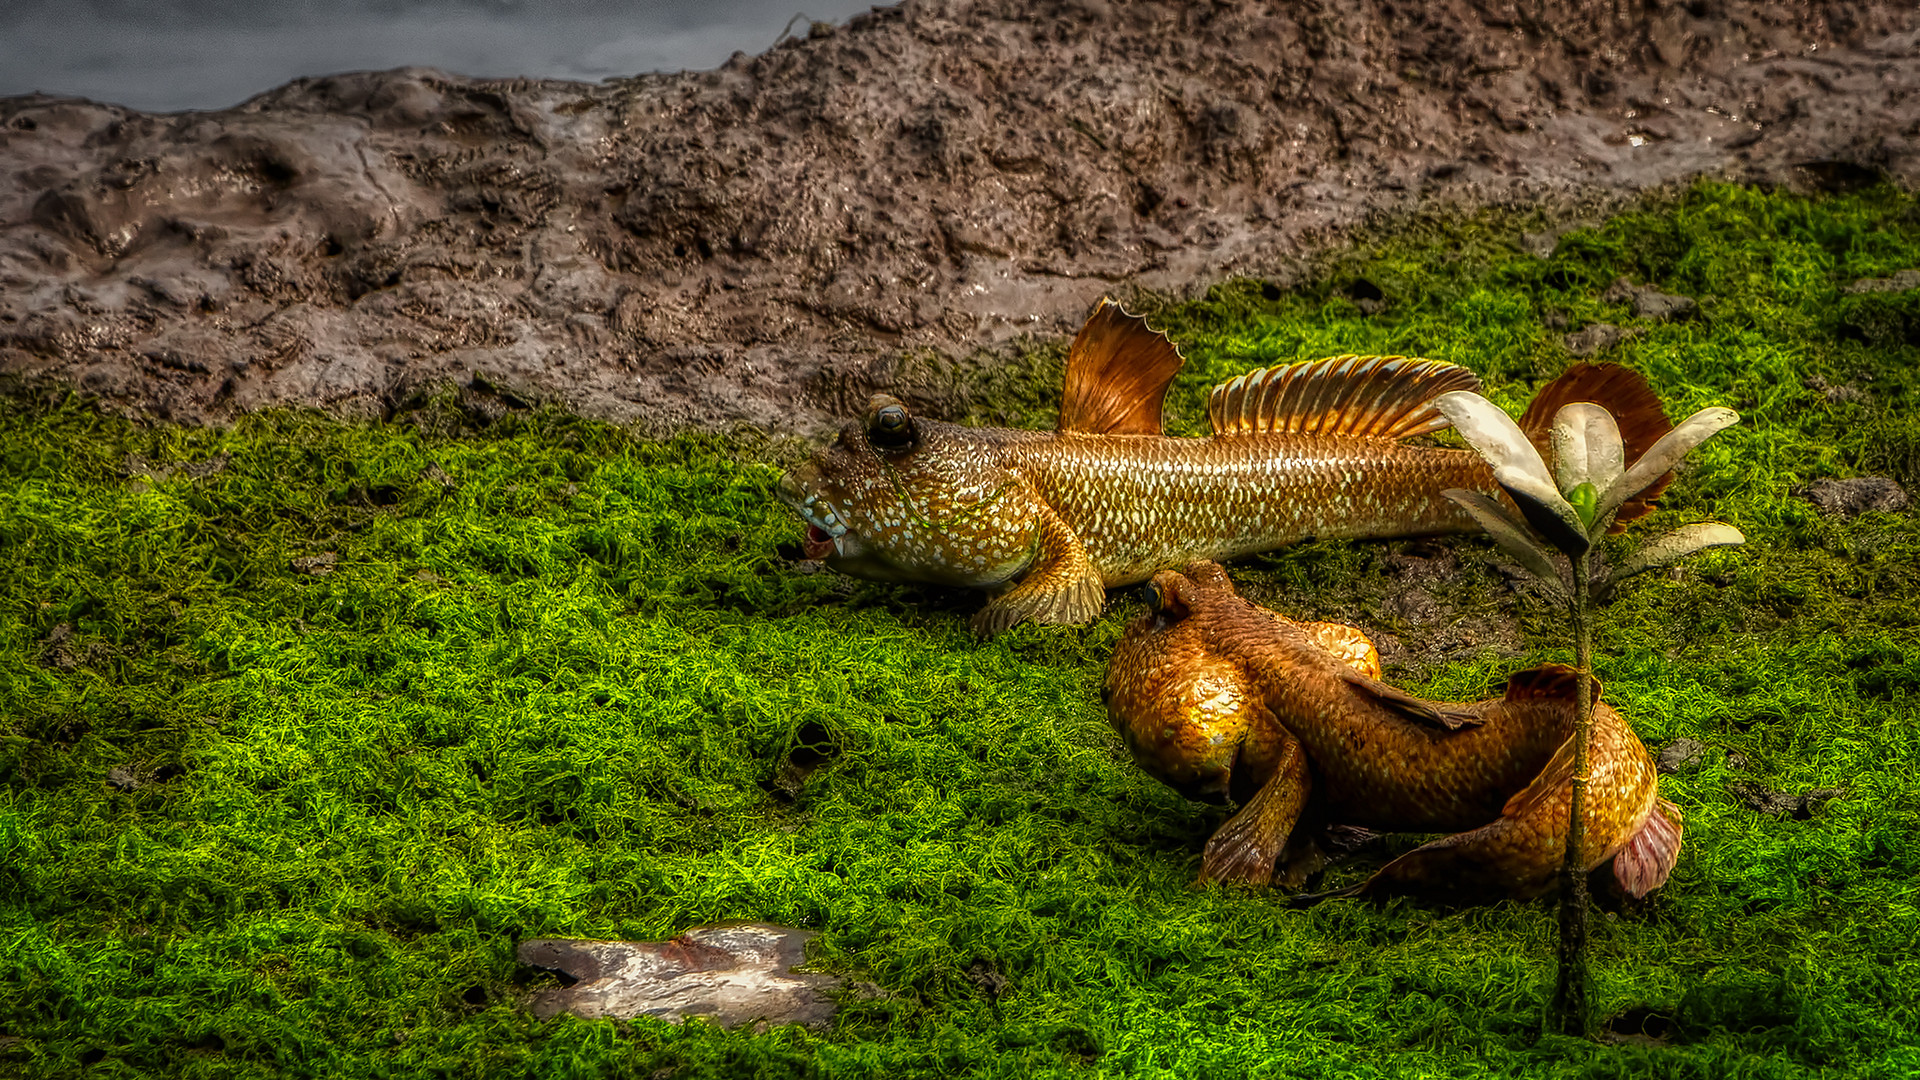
(307, 724)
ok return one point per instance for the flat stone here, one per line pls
(1846, 498)
(1683, 756)
(1650, 303)
(1782, 803)
(1586, 342)
(1899, 282)
(731, 974)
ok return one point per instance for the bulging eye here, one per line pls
(889, 425)
(1165, 600)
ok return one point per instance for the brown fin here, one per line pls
(1062, 588)
(1548, 682)
(1515, 855)
(1381, 397)
(1408, 706)
(1488, 863)
(1643, 865)
(1118, 371)
(1635, 407)
(1244, 850)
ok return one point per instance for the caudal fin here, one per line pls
(1622, 392)
(1643, 865)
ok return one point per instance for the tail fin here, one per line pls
(1643, 865)
(1622, 392)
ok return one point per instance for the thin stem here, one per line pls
(1570, 1006)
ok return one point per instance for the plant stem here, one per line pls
(1570, 1007)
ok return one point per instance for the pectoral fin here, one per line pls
(1244, 850)
(1406, 705)
(1062, 588)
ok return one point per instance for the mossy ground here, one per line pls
(554, 680)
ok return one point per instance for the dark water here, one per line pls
(208, 54)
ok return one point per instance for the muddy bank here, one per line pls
(762, 242)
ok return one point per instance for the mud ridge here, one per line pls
(763, 242)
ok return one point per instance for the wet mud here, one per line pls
(765, 242)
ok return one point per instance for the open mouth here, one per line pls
(824, 527)
(818, 544)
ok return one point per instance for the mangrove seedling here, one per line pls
(1569, 508)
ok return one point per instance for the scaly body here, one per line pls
(1312, 450)
(1220, 698)
(1140, 504)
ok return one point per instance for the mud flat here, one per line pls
(761, 243)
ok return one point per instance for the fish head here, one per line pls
(901, 498)
(1188, 712)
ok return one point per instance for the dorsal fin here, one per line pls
(1118, 371)
(1635, 407)
(1382, 397)
(1548, 682)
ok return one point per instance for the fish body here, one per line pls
(1221, 698)
(971, 506)
(1141, 503)
(1052, 519)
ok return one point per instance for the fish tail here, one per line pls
(1624, 393)
(1643, 865)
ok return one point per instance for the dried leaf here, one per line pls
(1586, 447)
(1674, 546)
(1513, 538)
(1664, 455)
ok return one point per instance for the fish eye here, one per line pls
(889, 426)
(1164, 599)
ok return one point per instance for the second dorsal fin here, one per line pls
(1118, 371)
(1382, 397)
(1548, 682)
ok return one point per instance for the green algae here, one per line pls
(303, 725)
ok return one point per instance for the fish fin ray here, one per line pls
(1621, 391)
(1118, 371)
(1549, 682)
(1643, 865)
(1444, 717)
(1245, 849)
(1486, 863)
(1381, 397)
(1063, 588)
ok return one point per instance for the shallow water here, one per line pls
(210, 54)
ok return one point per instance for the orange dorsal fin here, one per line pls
(1381, 397)
(1624, 393)
(1118, 371)
(1548, 682)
